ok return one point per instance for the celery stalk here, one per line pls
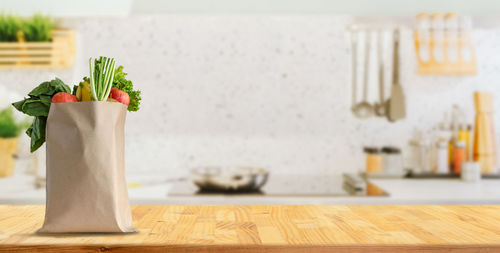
(102, 73)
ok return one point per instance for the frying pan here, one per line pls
(229, 179)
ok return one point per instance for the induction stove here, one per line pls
(280, 185)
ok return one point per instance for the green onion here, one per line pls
(102, 72)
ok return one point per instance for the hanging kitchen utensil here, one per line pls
(396, 108)
(380, 107)
(364, 109)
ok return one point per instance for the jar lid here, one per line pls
(442, 144)
(391, 150)
(371, 150)
(460, 144)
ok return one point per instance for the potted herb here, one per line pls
(37, 28)
(10, 129)
(34, 41)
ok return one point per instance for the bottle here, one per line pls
(459, 156)
(464, 135)
(442, 157)
(425, 156)
(468, 143)
(373, 160)
(420, 152)
(446, 134)
(451, 149)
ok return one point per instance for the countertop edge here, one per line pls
(351, 248)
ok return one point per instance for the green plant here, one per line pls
(9, 126)
(102, 72)
(38, 105)
(35, 28)
(120, 82)
(38, 28)
(10, 25)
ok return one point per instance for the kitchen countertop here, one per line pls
(19, 189)
(271, 228)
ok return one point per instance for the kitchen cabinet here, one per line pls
(270, 228)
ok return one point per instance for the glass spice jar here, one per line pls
(373, 160)
(392, 161)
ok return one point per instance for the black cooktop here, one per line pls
(288, 185)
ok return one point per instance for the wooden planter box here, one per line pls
(58, 53)
(8, 147)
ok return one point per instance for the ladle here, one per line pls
(364, 109)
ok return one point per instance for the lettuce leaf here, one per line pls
(122, 83)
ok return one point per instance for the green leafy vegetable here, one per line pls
(45, 99)
(37, 133)
(120, 82)
(75, 88)
(101, 77)
(9, 126)
(48, 88)
(38, 105)
(35, 107)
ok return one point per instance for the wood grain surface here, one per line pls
(270, 229)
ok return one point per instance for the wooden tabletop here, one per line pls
(271, 229)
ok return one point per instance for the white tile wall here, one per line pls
(271, 91)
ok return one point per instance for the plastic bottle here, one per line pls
(451, 149)
(459, 156)
(442, 166)
(464, 135)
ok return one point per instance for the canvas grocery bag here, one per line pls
(86, 188)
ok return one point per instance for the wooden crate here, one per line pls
(58, 53)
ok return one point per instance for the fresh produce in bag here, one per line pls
(84, 132)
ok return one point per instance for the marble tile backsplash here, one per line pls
(259, 90)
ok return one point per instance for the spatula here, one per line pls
(396, 107)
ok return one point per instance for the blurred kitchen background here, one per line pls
(269, 85)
